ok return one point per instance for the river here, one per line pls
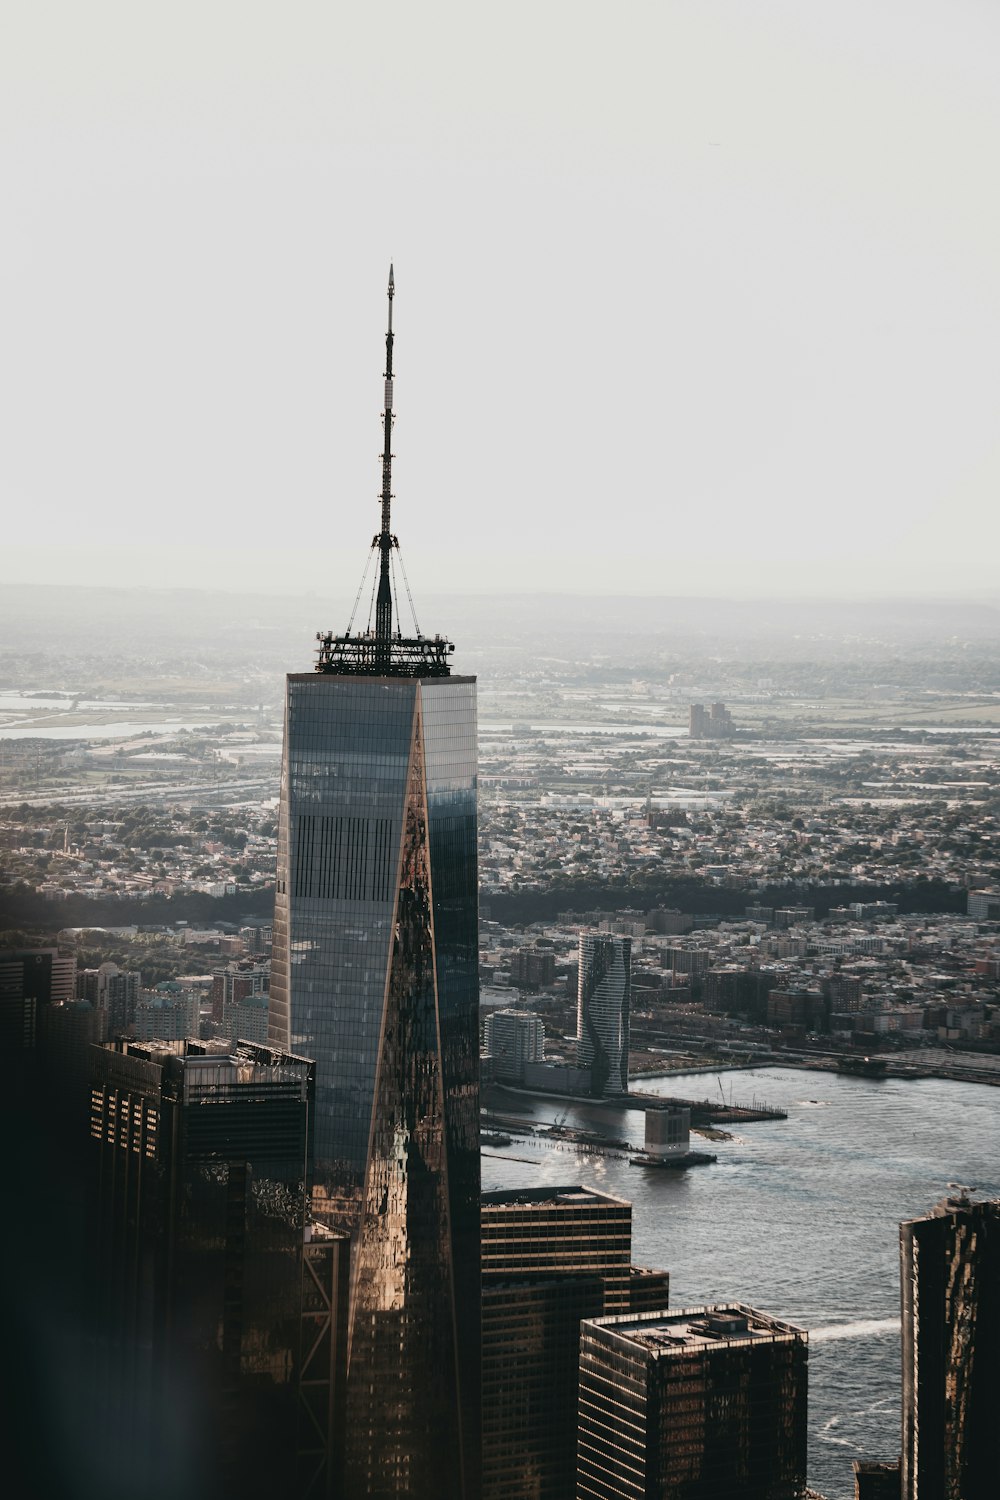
(798, 1217)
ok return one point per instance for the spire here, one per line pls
(383, 652)
(385, 539)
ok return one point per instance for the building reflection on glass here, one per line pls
(375, 976)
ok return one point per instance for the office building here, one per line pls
(531, 1341)
(551, 1258)
(559, 1231)
(648, 1289)
(531, 968)
(707, 1403)
(793, 916)
(169, 1015)
(375, 975)
(201, 1163)
(246, 1018)
(984, 905)
(712, 723)
(875, 1481)
(114, 991)
(602, 1011)
(236, 981)
(667, 1132)
(950, 1284)
(686, 960)
(513, 1038)
(31, 978)
(67, 1031)
(256, 939)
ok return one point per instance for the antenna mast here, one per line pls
(385, 541)
(382, 652)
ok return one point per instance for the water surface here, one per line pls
(799, 1218)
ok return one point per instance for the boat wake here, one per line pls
(864, 1328)
(826, 1436)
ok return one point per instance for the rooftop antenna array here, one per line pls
(384, 651)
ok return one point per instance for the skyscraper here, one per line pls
(375, 976)
(30, 979)
(604, 992)
(708, 1403)
(551, 1257)
(114, 991)
(950, 1282)
(199, 1215)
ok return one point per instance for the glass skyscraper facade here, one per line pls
(375, 975)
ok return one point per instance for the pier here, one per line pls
(708, 1112)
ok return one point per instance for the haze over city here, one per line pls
(693, 298)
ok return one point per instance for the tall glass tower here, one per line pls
(375, 975)
(603, 1004)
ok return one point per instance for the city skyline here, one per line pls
(700, 308)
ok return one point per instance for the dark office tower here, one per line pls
(708, 1403)
(31, 978)
(950, 1280)
(875, 1481)
(375, 975)
(551, 1257)
(604, 997)
(559, 1231)
(201, 1161)
(66, 1033)
(114, 991)
(43, 1140)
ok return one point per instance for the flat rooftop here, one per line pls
(562, 1196)
(712, 1326)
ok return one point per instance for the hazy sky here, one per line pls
(694, 296)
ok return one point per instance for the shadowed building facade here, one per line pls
(706, 1403)
(950, 1282)
(551, 1258)
(199, 1214)
(375, 975)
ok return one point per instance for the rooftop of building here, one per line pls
(957, 1202)
(214, 1067)
(715, 1325)
(573, 1195)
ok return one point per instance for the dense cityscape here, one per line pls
(280, 1001)
(500, 751)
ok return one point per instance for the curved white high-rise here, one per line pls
(604, 993)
